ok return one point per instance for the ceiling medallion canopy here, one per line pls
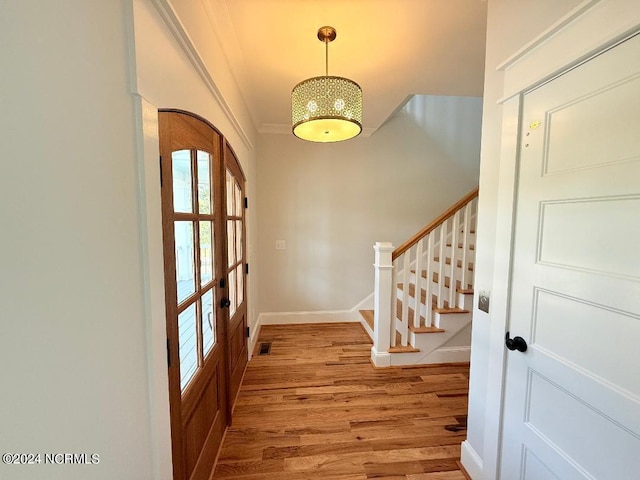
(327, 108)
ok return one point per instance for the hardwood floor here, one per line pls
(315, 408)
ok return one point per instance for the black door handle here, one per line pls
(515, 343)
(225, 303)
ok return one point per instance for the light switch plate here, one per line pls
(280, 245)
(483, 301)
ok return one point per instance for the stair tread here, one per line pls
(426, 329)
(402, 349)
(450, 310)
(368, 316)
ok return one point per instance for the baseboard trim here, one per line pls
(293, 318)
(471, 461)
(253, 340)
(464, 471)
(319, 316)
(366, 327)
(449, 355)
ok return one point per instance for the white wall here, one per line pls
(510, 25)
(72, 332)
(332, 202)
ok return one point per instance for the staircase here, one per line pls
(408, 328)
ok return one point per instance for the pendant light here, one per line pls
(327, 108)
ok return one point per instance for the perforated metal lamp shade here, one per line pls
(326, 109)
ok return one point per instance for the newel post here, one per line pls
(382, 299)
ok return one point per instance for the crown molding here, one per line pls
(587, 30)
(179, 32)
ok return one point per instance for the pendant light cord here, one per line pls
(326, 56)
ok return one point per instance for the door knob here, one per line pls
(224, 303)
(515, 343)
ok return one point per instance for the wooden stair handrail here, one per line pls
(435, 224)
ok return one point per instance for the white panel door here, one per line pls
(572, 399)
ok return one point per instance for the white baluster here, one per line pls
(394, 303)
(455, 238)
(466, 226)
(473, 225)
(429, 283)
(418, 284)
(406, 273)
(441, 264)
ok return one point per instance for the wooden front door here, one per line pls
(236, 269)
(572, 398)
(194, 243)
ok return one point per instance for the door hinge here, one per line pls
(246, 269)
(222, 283)
(246, 202)
(168, 354)
(160, 171)
(248, 333)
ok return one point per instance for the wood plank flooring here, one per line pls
(315, 408)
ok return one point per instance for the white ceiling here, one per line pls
(392, 48)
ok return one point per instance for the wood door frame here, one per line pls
(232, 163)
(562, 46)
(188, 401)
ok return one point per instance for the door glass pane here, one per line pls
(230, 185)
(208, 322)
(188, 340)
(232, 292)
(231, 246)
(185, 271)
(181, 169)
(238, 199)
(206, 253)
(238, 240)
(204, 182)
(240, 275)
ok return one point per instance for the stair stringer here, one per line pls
(428, 343)
(367, 328)
(452, 351)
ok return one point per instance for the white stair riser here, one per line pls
(451, 323)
